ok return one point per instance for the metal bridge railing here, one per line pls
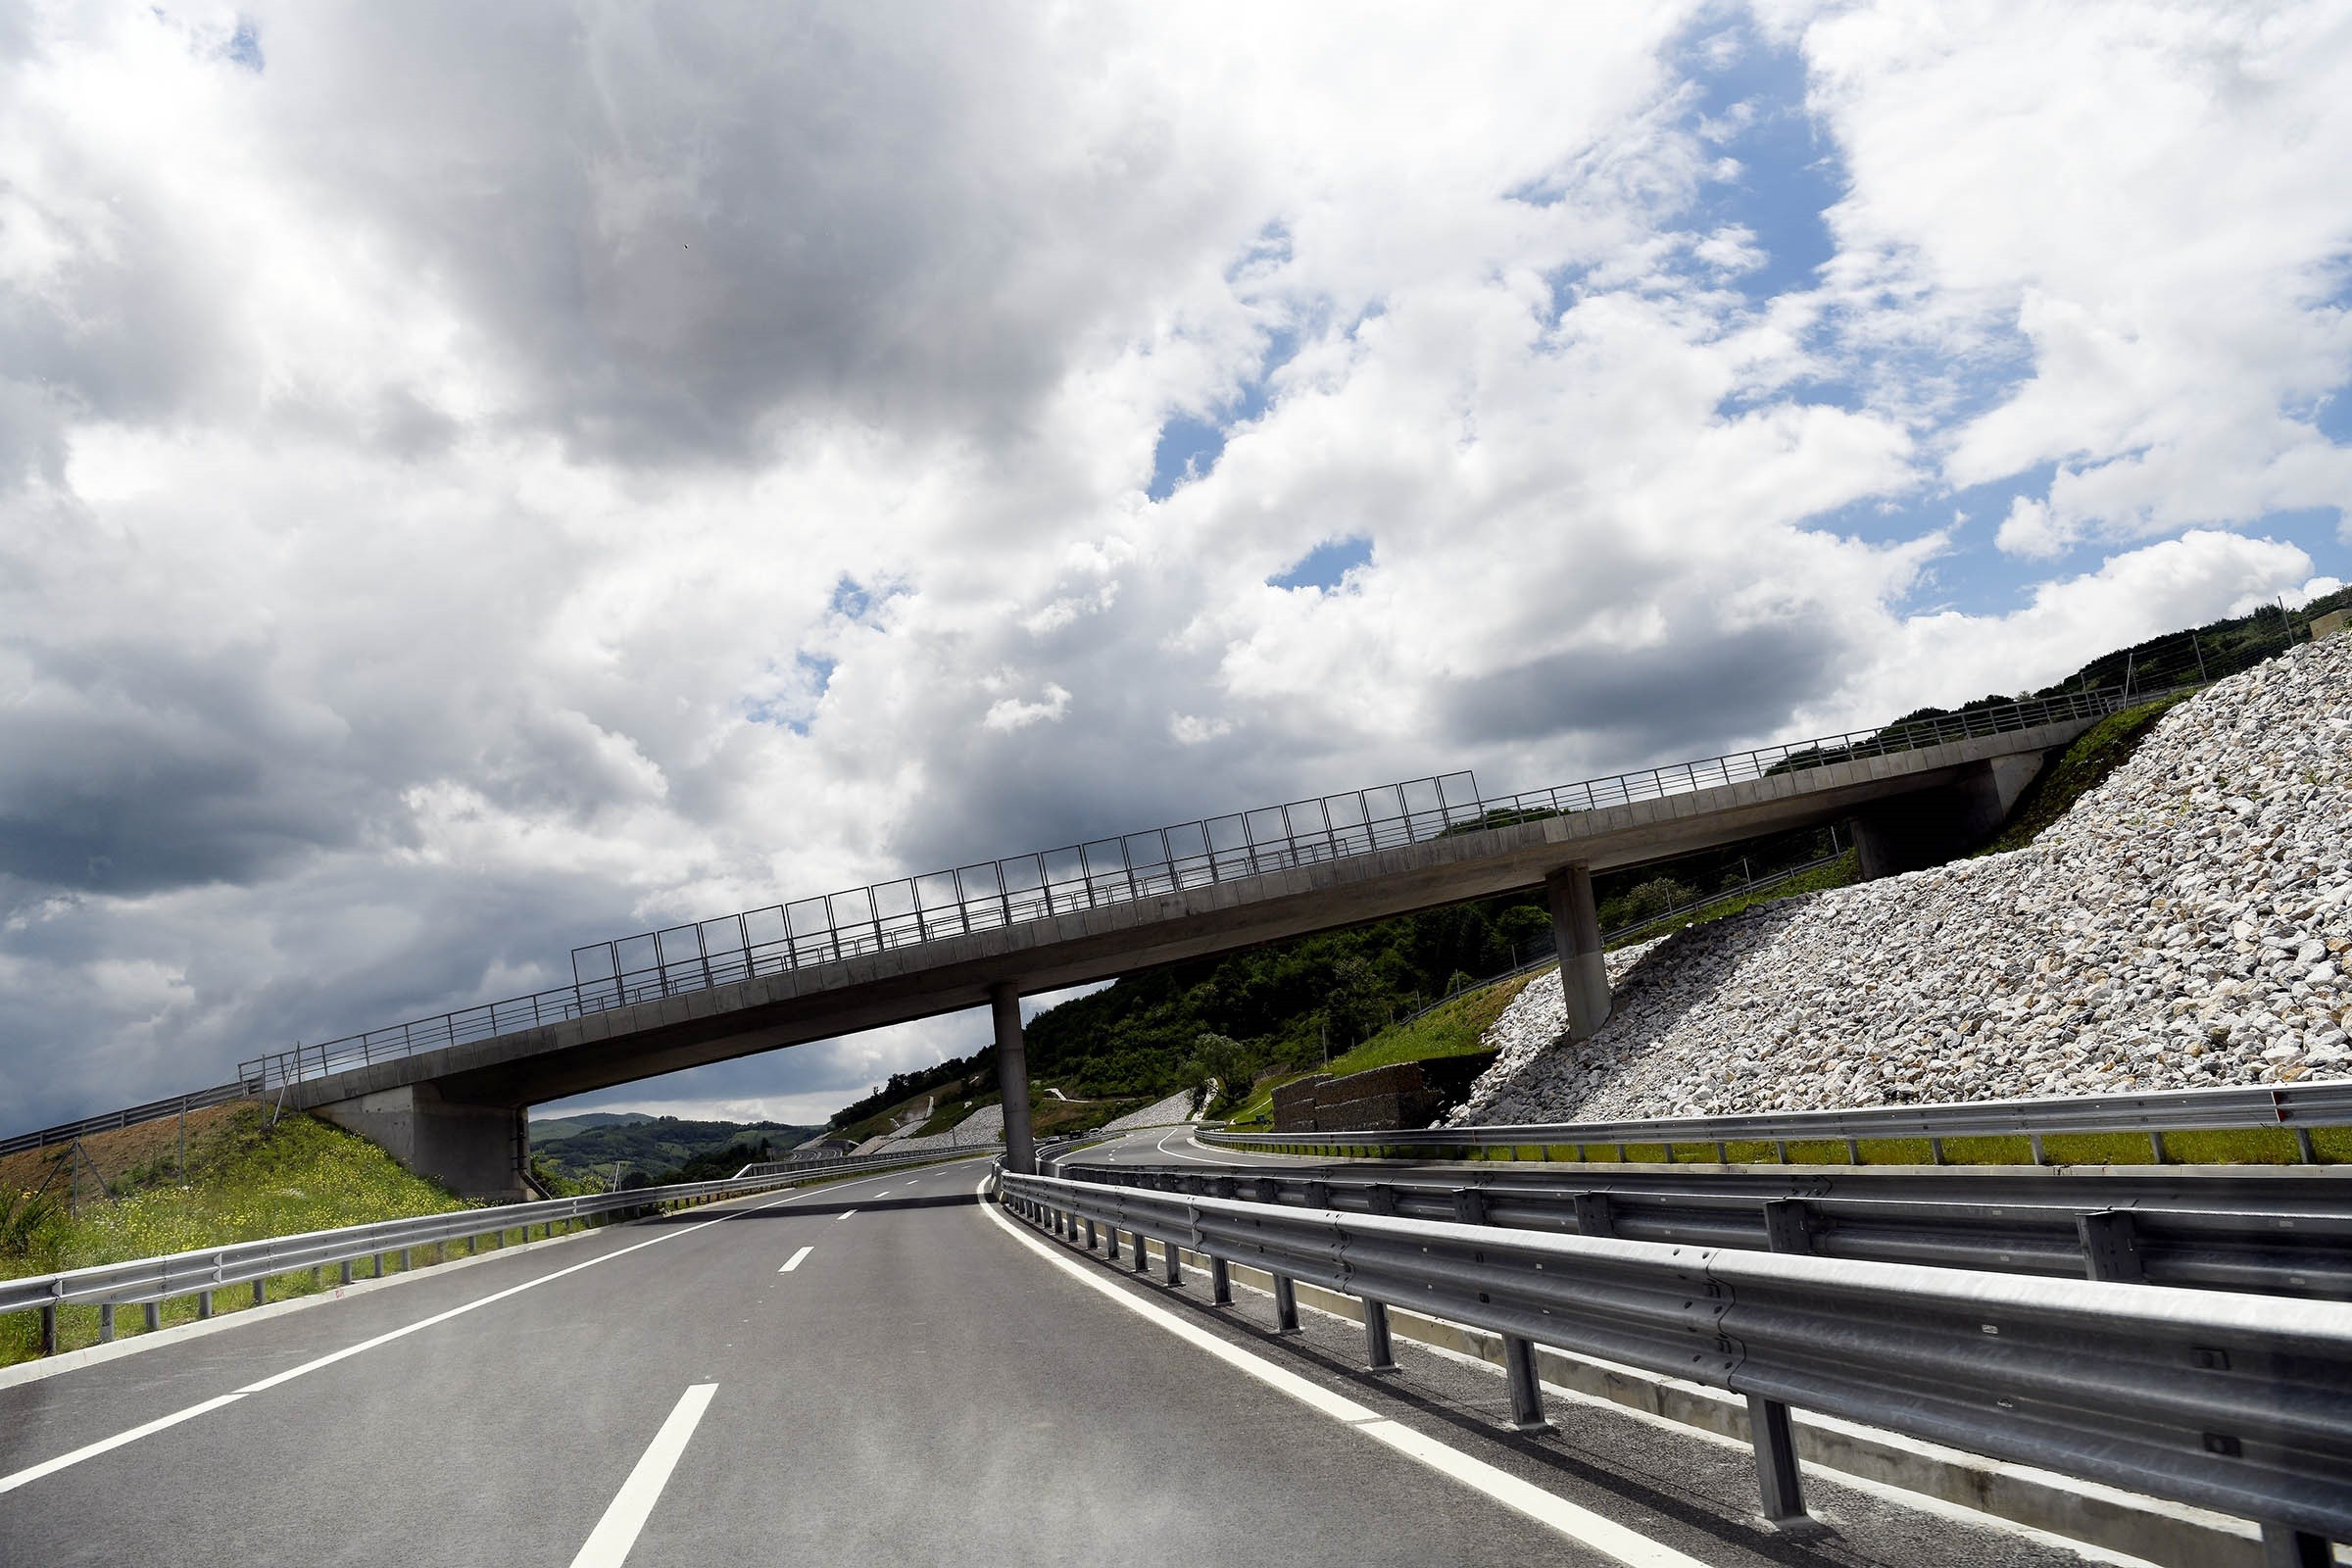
(992, 894)
(2235, 1402)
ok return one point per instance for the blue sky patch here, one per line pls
(244, 46)
(1324, 565)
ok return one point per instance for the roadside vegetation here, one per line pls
(245, 1180)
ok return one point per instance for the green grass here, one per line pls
(2098, 751)
(1841, 872)
(245, 1182)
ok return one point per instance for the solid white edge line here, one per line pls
(794, 1261)
(1580, 1524)
(93, 1451)
(9, 1483)
(608, 1544)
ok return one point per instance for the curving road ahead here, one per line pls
(881, 1370)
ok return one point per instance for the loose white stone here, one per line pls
(2183, 926)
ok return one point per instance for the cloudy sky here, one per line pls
(477, 481)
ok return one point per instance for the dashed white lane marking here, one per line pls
(794, 1261)
(843, 1214)
(608, 1545)
(9, 1483)
(1603, 1534)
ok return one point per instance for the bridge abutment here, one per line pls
(1575, 930)
(472, 1150)
(1012, 1077)
(1927, 827)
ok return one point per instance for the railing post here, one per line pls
(1778, 1481)
(204, 1303)
(1143, 1260)
(1111, 1244)
(1090, 1235)
(1378, 1355)
(49, 1329)
(2285, 1546)
(1527, 1393)
(1220, 1283)
(1171, 1262)
(344, 1270)
(261, 1290)
(106, 1322)
(154, 1315)
(1286, 1304)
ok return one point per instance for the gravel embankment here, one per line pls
(2188, 923)
(1172, 1112)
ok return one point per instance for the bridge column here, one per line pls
(469, 1148)
(1931, 826)
(1575, 930)
(1012, 1077)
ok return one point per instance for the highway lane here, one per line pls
(921, 1386)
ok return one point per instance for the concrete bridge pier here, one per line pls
(1927, 827)
(1576, 931)
(476, 1150)
(1012, 1077)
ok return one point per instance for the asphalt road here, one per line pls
(880, 1371)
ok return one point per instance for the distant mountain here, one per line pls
(556, 1127)
(655, 1145)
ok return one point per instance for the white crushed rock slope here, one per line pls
(2188, 923)
(1172, 1112)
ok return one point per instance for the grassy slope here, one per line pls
(2102, 749)
(245, 1181)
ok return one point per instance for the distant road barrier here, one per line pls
(2277, 1233)
(149, 1282)
(2238, 1403)
(2295, 1108)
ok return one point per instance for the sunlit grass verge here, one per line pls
(2250, 1145)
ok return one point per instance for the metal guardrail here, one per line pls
(992, 894)
(154, 1111)
(151, 1281)
(2286, 1237)
(2295, 1107)
(2238, 1403)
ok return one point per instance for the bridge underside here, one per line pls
(452, 1112)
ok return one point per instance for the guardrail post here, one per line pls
(1469, 1206)
(49, 1329)
(1111, 1244)
(106, 1322)
(2285, 1546)
(1143, 1261)
(155, 1316)
(261, 1292)
(1171, 1262)
(2303, 1150)
(1527, 1393)
(2034, 1142)
(379, 1265)
(2109, 1249)
(1934, 1151)
(1778, 1482)
(1090, 1235)
(344, 1270)
(1286, 1304)
(405, 1264)
(1378, 1355)
(1592, 1217)
(204, 1303)
(1220, 1283)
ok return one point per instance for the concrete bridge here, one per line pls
(447, 1095)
